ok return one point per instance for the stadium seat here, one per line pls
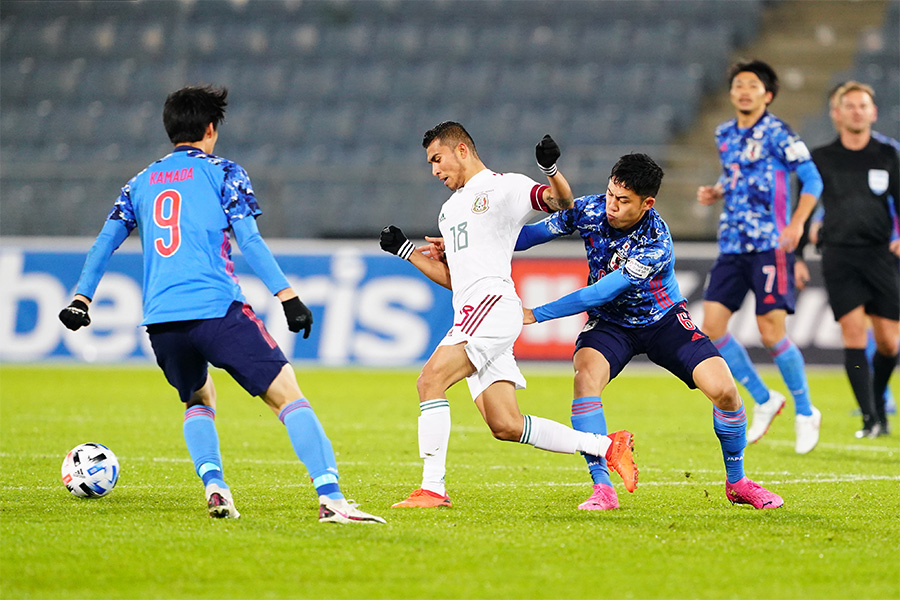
(348, 86)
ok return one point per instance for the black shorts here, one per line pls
(867, 276)
(237, 342)
(673, 342)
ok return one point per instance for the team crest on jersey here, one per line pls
(617, 259)
(878, 181)
(753, 150)
(481, 204)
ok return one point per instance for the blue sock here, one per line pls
(587, 415)
(312, 447)
(743, 370)
(731, 429)
(203, 443)
(790, 362)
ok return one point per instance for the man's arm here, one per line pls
(263, 263)
(894, 200)
(534, 234)
(809, 196)
(75, 315)
(609, 286)
(559, 195)
(435, 270)
(395, 242)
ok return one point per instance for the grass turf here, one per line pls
(513, 532)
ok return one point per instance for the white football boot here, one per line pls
(763, 415)
(807, 430)
(343, 511)
(219, 502)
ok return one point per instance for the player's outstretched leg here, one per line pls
(587, 415)
(314, 450)
(202, 441)
(620, 458)
(745, 491)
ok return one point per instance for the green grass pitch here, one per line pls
(513, 532)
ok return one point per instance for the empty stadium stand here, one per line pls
(329, 98)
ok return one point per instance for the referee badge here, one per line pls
(878, 181)
(481, 204)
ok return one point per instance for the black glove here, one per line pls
(393, 241)
(75, 316)
(298, 316)
(547, 153)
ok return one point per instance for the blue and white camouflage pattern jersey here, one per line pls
(756, 167)
(183, 206)
(644, 253)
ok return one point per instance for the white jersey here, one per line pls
(480, 224)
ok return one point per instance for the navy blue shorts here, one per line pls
(769, 274)
(673, 342)
(237, 342)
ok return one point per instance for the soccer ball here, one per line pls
(90, 470)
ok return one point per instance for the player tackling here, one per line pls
(635, 307)
(479, 224)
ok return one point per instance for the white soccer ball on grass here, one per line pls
(90, 470)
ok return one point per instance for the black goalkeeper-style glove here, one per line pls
(393, 241)
(75, 316)
(547, 153)
(298, 316)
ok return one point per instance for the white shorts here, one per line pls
(489, 324)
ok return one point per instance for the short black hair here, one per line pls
(638, 173)
(189, 110)
(762, 70)
(451, 133)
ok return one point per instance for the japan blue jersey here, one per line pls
(643, 253)
(183, 206)
(756, 167)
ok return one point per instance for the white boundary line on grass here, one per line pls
(535, 484)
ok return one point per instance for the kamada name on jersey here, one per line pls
(171, 176)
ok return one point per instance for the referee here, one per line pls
(861, 175)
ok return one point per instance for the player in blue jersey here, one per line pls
(634, 307)
(186, 207)
(757, 237)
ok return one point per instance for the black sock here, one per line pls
(861, 381)
(882, 367)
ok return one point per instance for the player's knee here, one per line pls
(887, 347)
(425, 385)
(724, 394)
(506, 430)
(588, 383)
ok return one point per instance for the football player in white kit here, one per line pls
(480, 224)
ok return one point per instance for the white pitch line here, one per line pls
(832, 446)
(543, 484)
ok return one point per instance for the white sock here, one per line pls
(434, 436)
(556, 437)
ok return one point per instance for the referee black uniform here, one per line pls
(857, 264)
